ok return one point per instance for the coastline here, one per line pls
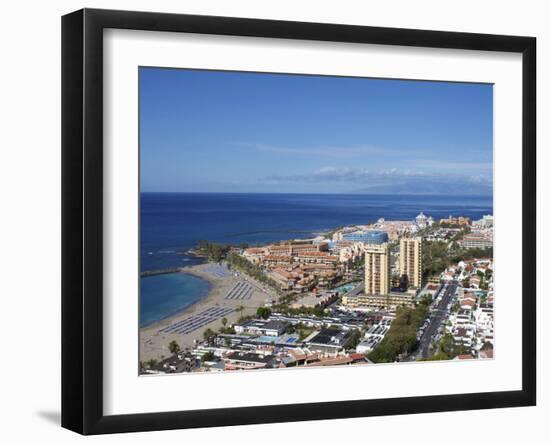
(176, 312)
(154, 341)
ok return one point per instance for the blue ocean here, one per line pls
(172, 223)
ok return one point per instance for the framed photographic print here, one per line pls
(269, 221)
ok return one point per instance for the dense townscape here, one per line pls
(390, 291)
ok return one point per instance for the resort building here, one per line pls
(344, 321)
(395, 228)
(247, 360)
(292, 280)
(421, 220)
(367, 237)
(330, 341)
(486, 222)
(377, 269)
(272, 328)
(477, 241)
(255, 255)
(376, 293)
(410, 260)
(460, 221)
(297, 247)
(390, 301)
(316, 257)
(276, 260)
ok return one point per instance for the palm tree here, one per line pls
(173, 347)
(208, 335)
(224, 322)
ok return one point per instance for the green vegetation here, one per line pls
(227, 330)
(300, 329)
(436, 256)
(485, 277)
(467, 254)
(317, 311)
(426, 300)
(208, 356)
(447, 349)
(436, 357)
(173, 347)
(401, 338)
(359, 262)
(304, 333)
(212, 251)
(286, 299)
(241, 263)
(428, 230)
(151, 363)
(209, 335)
(263, 312)
(460, 235)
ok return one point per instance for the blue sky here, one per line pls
(212, 131)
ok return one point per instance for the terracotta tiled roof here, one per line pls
(255, 250)
(332, 361)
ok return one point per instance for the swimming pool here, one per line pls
(266, 339)
(345, 288)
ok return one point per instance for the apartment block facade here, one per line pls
(377, 269)
(410, 260)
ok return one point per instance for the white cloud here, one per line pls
(392, 180)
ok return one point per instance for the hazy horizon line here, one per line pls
(317, 193)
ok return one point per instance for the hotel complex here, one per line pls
(366, 237)
(377, 269)
(410, 260)
(390, 301)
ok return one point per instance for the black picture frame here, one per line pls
(82, 219)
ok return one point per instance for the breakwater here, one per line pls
(159, 272)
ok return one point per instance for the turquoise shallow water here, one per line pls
(164, 295)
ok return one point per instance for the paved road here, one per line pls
(437, 317)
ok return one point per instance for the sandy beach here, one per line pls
(153, 341)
